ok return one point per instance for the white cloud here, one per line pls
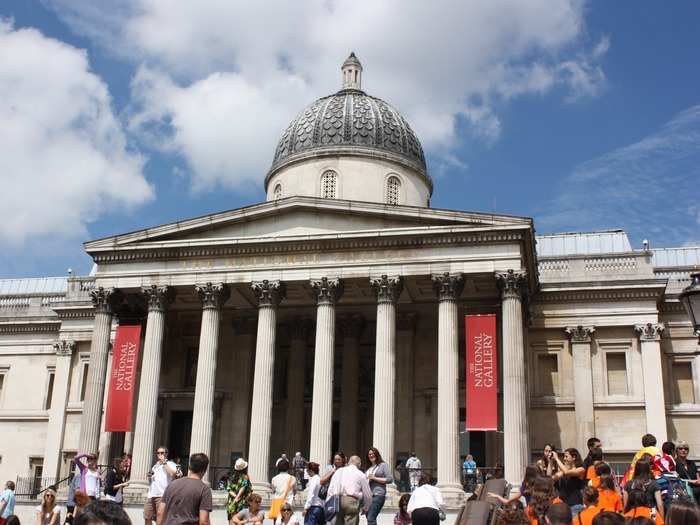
(234, 73)
(649, 186)
(63, 154)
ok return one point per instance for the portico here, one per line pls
(201, 280)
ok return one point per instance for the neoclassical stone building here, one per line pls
(331, 316)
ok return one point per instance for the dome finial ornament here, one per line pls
(352, 73)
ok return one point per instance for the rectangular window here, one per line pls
(616, 364)
(49, 390)
(2, 384)
(682, 385)
(548, 374)
(83, 385)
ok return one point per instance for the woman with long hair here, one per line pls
(403, 517)
(683, 513)
(339, 460)
(238, 488)
(378, 475)
(525, 491)
(609, 498)
(313, 508)
(570, 478)
(608, 518)
(642, 490)
(48, 513)
(543, 495)
(546, 463)
(115, 481)
(636, 506)
(512, 515)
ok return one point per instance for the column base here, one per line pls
(453, 494)
(264, 489)
(136, 492)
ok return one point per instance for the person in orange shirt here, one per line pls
(637, 507)
(609, 498)
(542, 497)
(590, 500)
(595, 457)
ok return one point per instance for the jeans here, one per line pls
(314, 516)
(374, 509)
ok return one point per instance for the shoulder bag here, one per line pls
(331, 506)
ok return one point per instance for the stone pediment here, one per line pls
(299, 218)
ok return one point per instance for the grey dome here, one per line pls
(350, 122)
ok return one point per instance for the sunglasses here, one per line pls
(161, 452)
(49, 496)
(683, 448)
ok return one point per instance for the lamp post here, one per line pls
(690, 298)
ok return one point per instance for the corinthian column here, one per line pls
(57, 415)
(299, 331)
(516, 449)
(583, 382)
(448, 289)
(387, 290)
(103, 300)
(650, 342)
(268, 294)
(212, 296)
(351, 328)
(158, 299)
(327, 292)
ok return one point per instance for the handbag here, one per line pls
(276, 503)
(323, 491)
(331, 507)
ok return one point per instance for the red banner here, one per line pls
(122, 382)
(482, 372)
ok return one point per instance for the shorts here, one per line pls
(150, 509)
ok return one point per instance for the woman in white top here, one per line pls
(313, 508)
(425, 503)
(48, 513)
(287, 516)
(284, 484)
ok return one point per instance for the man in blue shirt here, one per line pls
(7, 502)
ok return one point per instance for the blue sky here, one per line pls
(582, 115)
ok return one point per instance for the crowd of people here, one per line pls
(660, 486)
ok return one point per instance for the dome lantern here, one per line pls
(352, 73)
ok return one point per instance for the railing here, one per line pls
(30, 487)
(79, 288)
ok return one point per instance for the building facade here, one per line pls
(331, 317)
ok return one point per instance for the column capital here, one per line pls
(511, 283)
(104, 299)
(387, 289)
(268, 293)
(65, 348)
(649, 331)
(351, 325)
(448, 287)
(246, 325)
(158, 298)
(213, 295)
(580, 334)
(327, 291)
(300, 328)
(406, 321)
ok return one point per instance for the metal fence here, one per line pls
(30, 487)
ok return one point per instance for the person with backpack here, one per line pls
(636, 507)
(643, 491)
(673, 488)
(687, 469)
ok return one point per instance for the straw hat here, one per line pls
(241, 464)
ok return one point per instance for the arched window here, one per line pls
(278, 192)
(393, 190)
(329, 181)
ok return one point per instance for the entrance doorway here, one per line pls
(179, 433)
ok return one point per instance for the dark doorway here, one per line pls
(477, 447)
(180, 431)
(335, 437)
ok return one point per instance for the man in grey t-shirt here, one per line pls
(187, 501)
